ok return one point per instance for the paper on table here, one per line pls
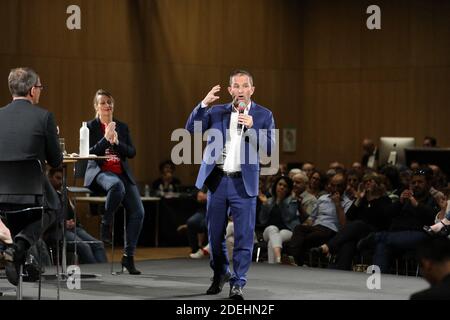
(76, 155)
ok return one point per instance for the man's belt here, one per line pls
(237, 174)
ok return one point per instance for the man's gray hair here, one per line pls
(302, 176)
(21, 81)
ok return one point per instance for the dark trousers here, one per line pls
(230, 195)
(306, 237)
(92, 252)
(389, 244)
(343, 244)
(27, 225)
(195, 224)
(120, 190)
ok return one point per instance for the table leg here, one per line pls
(157, 224)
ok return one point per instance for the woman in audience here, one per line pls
(279, 215)
(370, 212)
(317, 184)
(442, 225)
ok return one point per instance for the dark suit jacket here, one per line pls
(98, 145)
(440, 291)
(29, 132)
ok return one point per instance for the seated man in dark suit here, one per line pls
(434, 256)
(27, 132)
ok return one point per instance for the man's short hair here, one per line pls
(424, 171)
(434, 249)
(241, 73)
(21, 81)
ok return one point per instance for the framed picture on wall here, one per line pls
(289, 139)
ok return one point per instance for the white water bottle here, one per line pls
(84, 140)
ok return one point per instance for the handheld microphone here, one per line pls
(241, 108)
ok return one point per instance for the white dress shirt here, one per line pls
(230, 160)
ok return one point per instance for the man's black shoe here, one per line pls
(218, 283)
(367, 242)
(13, 258)
(236, 293)
(31, 272)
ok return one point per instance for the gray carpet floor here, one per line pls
(184, 279)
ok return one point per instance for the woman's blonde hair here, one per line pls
(101, 92)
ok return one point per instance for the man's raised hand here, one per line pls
(211, 96)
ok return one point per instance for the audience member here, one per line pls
(439, 178)
(308, 168)
(283, 169)
(167, 182)
(337, 167)
(196, 226)
(429, 142)
(369, 213)
(328, 217)
(89, 249)
(356, 166)
(353, 181)
(293, 172)
(442, 225)
(279, 215)
(415, 209)
(317, 184)
(305, 200)
(434, 257)
(370, 154)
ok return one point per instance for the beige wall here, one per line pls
(315, 65)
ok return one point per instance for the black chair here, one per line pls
(26, 179)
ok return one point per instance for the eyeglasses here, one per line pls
(421, 172)
(40, 87)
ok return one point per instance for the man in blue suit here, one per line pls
(240, 130)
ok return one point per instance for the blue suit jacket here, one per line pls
(218, 117)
